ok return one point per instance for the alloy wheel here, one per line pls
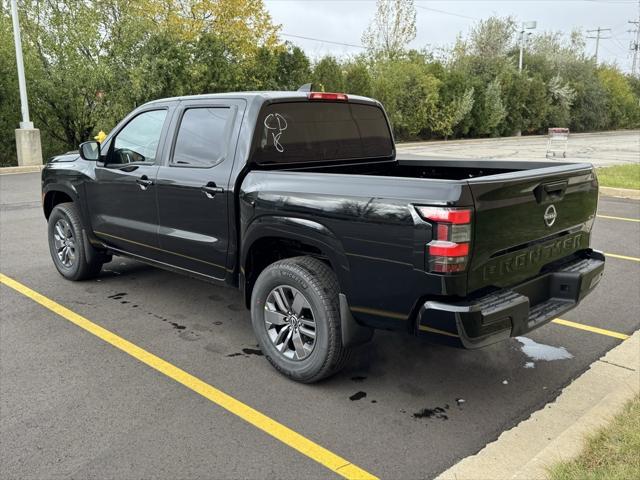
(290, 322)
(64, 242)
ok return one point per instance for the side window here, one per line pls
(202, 137)
(138, 141)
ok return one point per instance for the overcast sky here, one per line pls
(439, 22)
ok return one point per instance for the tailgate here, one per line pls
(527, 219)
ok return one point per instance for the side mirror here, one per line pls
(90, 151)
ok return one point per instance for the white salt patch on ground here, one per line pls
(539, 351)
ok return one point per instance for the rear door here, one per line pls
(194, 189)
(525, 220)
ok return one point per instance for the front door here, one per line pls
(124, 211)
(194, 194)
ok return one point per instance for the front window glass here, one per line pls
(138, 141)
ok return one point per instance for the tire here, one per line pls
(318, 286)
(70, 258)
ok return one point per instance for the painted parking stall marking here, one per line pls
(622, 257)
(589, 328)
(289, 437)
(624, 219)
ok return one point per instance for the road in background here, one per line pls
(601, 149)
(74, 406)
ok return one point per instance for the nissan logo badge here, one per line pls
(550, 215)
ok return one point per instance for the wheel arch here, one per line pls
(56, 194)
(271, 238)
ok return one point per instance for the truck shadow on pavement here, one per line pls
(410, 375)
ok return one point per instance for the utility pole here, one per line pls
(635, 45)
(598, 37)
(28, 145)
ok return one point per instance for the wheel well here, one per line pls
(268, 250)
(53, 198)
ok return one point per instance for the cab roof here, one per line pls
(267, 95)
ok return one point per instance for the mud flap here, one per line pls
(352, 332)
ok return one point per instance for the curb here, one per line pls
(558, 431)
(22, 169)
(620, 192)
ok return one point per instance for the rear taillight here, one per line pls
(448, 252)
(339, 97)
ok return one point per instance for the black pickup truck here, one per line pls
(299, 200)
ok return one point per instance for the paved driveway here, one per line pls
(601, 149)
(73, 405)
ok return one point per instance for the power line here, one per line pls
(444, 12)
(322, 40)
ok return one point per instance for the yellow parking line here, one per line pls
(588, 328)
(609, 217)
(277, 430)
(623, 257)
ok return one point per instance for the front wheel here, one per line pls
(66, 244)
(296, 318)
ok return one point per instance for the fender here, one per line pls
(306, 231)
(72, 186)
(67, 188)
(319, 236)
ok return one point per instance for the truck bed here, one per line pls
(437, 169)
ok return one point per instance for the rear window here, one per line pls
(306, 132)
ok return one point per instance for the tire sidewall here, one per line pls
(67, 272)
(287, 274)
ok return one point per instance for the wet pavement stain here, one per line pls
(189, 336)
(217, 323)
(252, 351)
(437, 412)
(246, 352)
(357, 396)
(236, 308)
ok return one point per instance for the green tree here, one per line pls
(392, 28)
(409, 94)
(622, 104)
(494, 110)
(357, 79)
(328, 76)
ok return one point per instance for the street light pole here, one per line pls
(525, 26)
(28, 147)
(22, 84)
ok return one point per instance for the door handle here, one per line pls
(144, 182)
(210, 189)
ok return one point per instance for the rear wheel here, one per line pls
(296, 318)
(67, 246)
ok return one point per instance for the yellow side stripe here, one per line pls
(277, 430)
(625, 219)
(424, 328)
(622, 257)
(588, 328)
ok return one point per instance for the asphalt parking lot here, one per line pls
(73, 405)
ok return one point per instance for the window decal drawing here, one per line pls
(276, 124)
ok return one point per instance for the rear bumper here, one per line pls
(515, 311)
